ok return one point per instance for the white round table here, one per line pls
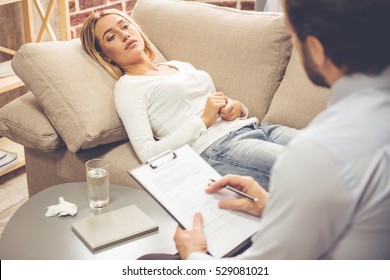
(31, 235)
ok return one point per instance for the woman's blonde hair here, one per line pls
(92, 47)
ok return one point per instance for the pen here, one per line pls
(238, 192)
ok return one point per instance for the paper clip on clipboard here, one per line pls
(161, 159)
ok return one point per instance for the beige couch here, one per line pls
(70, 115)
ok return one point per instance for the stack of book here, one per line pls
(7, 159)
(6, 69)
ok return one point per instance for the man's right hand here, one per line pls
(247, 185)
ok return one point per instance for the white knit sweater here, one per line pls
(164, 112)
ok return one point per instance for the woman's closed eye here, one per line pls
(113, 36)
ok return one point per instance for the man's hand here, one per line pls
(189, 241)
(231, 111)
(214, 103)
(246, 185)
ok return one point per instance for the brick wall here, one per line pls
(238, 4)
(79, 10)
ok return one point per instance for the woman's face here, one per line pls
(119, 40)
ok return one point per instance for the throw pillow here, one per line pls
(297, 100)
(75, 92)
(24, 121)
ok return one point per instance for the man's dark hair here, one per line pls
(355, 33)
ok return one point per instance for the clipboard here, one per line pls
(161, 159)
(177, 181)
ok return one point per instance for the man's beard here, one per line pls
(311, 69)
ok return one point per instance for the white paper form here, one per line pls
(178, 183)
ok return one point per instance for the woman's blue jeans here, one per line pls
(249, 151)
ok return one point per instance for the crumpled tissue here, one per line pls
(62, 209)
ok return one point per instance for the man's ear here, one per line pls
(316, 50)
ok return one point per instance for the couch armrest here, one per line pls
(24, 121)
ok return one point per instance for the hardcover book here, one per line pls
(113, 227)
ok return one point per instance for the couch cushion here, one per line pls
(24, 121)
(297, 101)
(245, 52)
(75, 92)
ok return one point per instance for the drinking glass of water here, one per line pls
(98, 183)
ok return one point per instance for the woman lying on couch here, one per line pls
(165, 106)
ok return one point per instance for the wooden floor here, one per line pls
(13, 193)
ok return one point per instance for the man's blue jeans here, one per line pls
(249, 151)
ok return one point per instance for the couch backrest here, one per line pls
(245, 52)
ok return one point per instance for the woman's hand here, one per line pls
(246, 185)
(231, 111)
(214, 103)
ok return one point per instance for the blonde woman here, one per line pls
(167, 105)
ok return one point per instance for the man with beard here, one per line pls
(330, 190)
